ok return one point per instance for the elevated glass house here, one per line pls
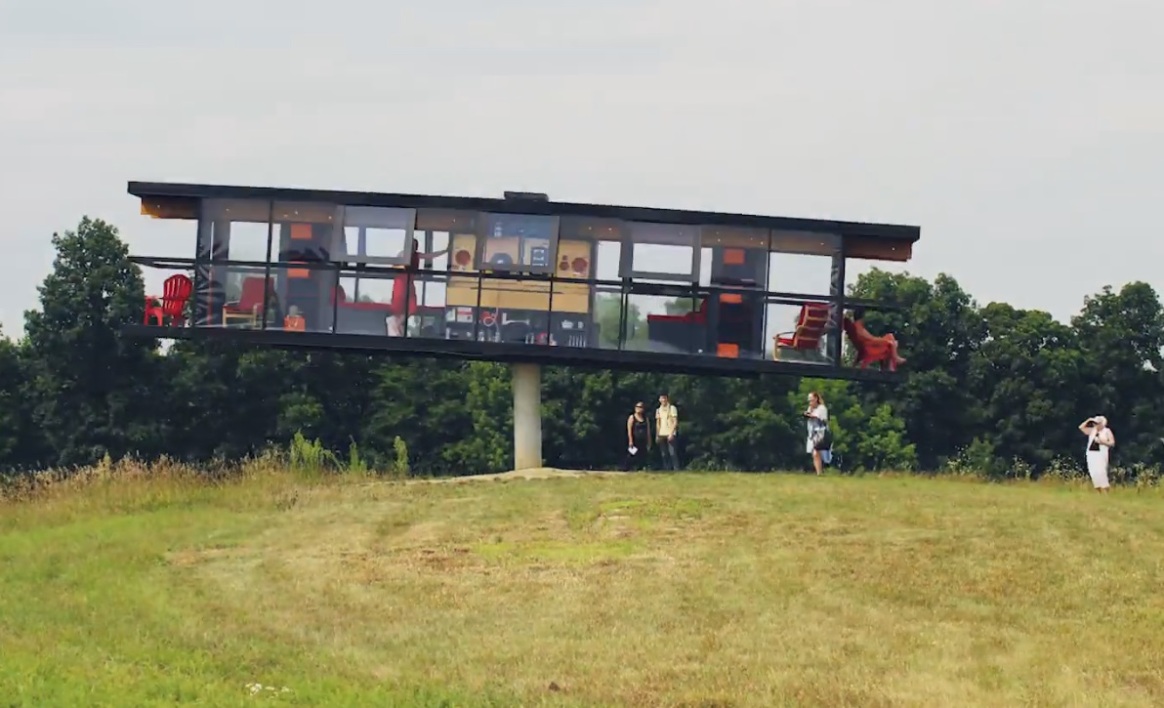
(516, 279)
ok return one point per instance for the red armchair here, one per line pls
(685, 332)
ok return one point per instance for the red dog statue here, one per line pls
(871, 348)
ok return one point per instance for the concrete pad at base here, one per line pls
(529, 474)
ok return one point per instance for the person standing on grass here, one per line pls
(819, 443)
(1100, 441)
(666, 426)
(638, 439)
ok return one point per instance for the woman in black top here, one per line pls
(638, 439)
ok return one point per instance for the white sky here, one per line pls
(1026, 138)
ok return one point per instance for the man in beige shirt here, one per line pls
(666, 425)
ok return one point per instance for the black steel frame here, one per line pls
(893, 232)
(625, 287)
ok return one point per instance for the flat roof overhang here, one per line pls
(421, 347)
(847, 229)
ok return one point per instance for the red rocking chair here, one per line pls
(172, 303)
(810, 327)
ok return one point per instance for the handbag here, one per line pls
(822, 438)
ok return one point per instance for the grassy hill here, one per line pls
(688, 589)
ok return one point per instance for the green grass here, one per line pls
(691, 589)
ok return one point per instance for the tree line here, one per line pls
(991, 389)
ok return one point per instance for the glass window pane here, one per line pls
(364, 303)
(437, 243)
(802, 264)
(519, 242)
(234, 229)
(392, 304)
(800, 274)
(737, 323)
(734, 256)
(662, 259)
(797, 332)
(665, 251)
(303, 231)
(607, 313)
(670, 325)
(300, 299)
(383, 242)
(571, 322)
(463, 292)
(429, 316)
(234, 296)
(376, 235)
(606, 263)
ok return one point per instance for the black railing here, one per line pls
(627, 285)
(750, 331)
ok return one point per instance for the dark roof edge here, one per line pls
(894, 232)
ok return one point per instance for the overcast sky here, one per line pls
(1026, 138)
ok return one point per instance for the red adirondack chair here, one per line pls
(870, 348)
(172, 304)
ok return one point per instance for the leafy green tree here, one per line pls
(941, 331)
(995, 390)
(224, 400)
(94, 391)
(489, 400)
(423, 402)
(21, 442)
(584, 415)
(732, 423)
(1027, 377)
(680, 305)
(882, 444)
(1121, 335)
(330, 394)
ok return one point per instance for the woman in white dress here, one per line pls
(817, 416)
(1100, 440)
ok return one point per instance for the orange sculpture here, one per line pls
(869, 347)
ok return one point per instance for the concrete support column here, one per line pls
(527, 416)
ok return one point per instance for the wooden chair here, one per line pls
(248, 309)
(810, 327)
(171, 305)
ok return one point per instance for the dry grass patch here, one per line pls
(701, 590)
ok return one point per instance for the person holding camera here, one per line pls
(1100, 440)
